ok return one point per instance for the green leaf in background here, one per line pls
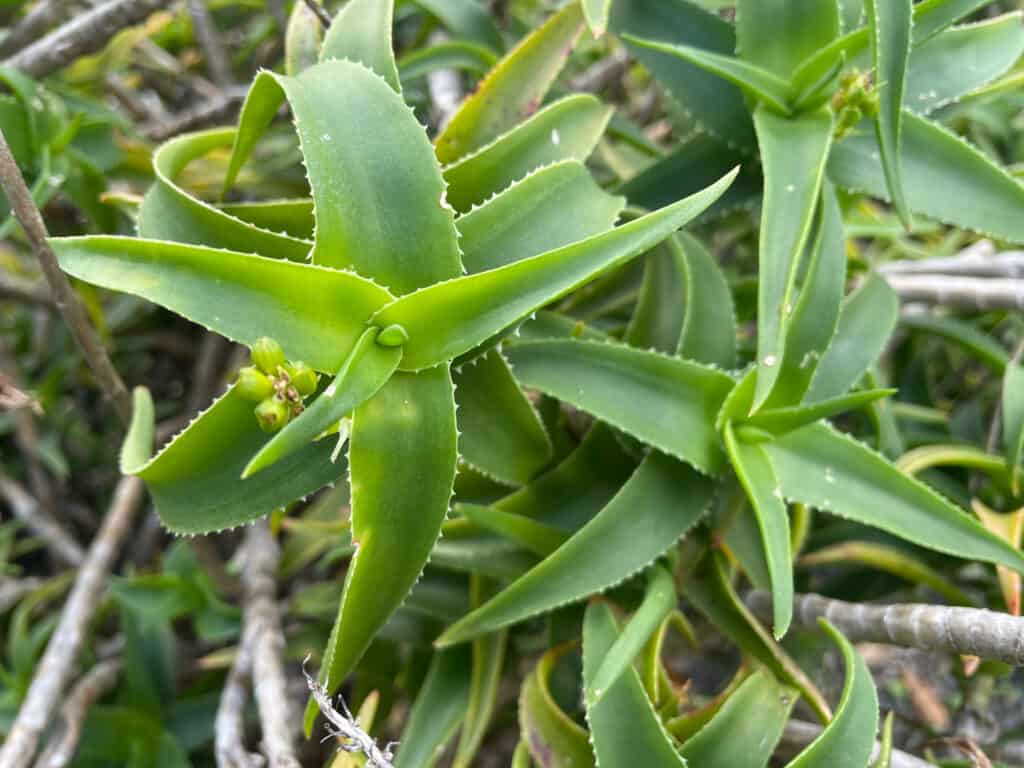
(548, 732)
(866, 322)
(831, 471)
(780, 34)
(778, 421)
(465, 18)
(402, 456)
(539, 538)
(933, 16)
(438, 709)
(514, 88)
(645, 741)
(451, 54)
(302, 39)
(316, 314)
(449, 318)
(744, 732)
(666, 402)
(528, 217)
(568, 129)
(755, 473)
(945, 178)
(658, 315)
(890, 22)
(293, 217)
(1013, 420)
(885, 750)
(653, 510)
(793, 153)
(659, 600)
(596, 14)
(709, 325)
(362, 32)
(848, 740)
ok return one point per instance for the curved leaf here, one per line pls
(780, 34)
(709, 324)
(1013, 419)
(778, 421)
(450, 318)
(293, 217)
(465, 18)
(551, 736)
(933, 16)
(539, 538)
(658, 316)
(596, 14)
(362, 32)
(439, 708)
(451, 54)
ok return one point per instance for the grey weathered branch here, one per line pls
(974, 293)
(229, 727)
(977, 260)
(969, 631)
(347, 729)
(263, 622)
(58, 661)
(210, 42)
(320, 11)
(798, 734)
(32, 25)
(23, 506)
(81, 328)
(87, 33)
(205, 113)
(94, 684)
(12, 590)
(601, 73)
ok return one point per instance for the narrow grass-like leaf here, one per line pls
(439, 708)
(501, 433)
(653, 510)
(821, 467)
(539, 538)
(549, 733)
(780, 34)
(866, 321)
(781, 420)
(754, 470)
(848, 740)
(514, 88)
(316, 314)
(402, 456)
(565, 130)
(469, 19)
(979, 345)
(194, 479)
(596, 14)
(362, 32)
(645, 741)
(744, 732)
(529, 217)
(884, 759)
(945, 178)
(659, 600)
(793, 153)
(756, 82)
(451, 54)
(168, 212)
(889, 22)
(364, 371)
(450, 318)
(709, 324)
(1013, 419)
(668, 403)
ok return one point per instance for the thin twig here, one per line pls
(263, 621)
(13, 590)
(975, 293)
(601, 73)
(966, 631)
(978, 260)
(797, 734)
(205, 113)
(58, 661)
(23, 506)
(229, 727)
(85, 335)
(97, 682)
(217, 62)
(26, 291)
(85, 34)
(32, 25)
(320, 11)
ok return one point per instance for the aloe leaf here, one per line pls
(194, 479)
(1013, 419)
(849, 738)
(551, 736)
(793, 153)
(933, 16)
(362, 32)
(316, 314)
(293, 217)
(596, 14)
(565, 130)
(451, 54)
(866, 322)
(828, 470)
(666, 402)
(539, 538)
(712, 593)
(469, 19)
(811, 327)
(658, 504)
(645, 741)
(529, 218)
(514, 88)
(439, 708)
(945, 178)
(302, 39)
(512, 447)
(402, 455)
(889, 23)
(718, 106)
(980, 345)
(453, 317)
(755, 473)
(779, 35)
(364, 371)
(744, 732)
(168, 212)
(659, 600)
(657, 319)
(709, 324)
(781, 420)
(884, 759)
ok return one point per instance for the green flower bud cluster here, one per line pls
(856, 99)
(277, 385)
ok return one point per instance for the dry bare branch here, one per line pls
(217, 62)
(345, 727)
(32, 25)
(58, 661)
(798, 734)
(26, 291)
(12, 590)
(215, 110)
(229, 728)
(23, 506)
(977, 260)
(974, 293)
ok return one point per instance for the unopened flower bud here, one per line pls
(272, 414)
(253, 385)
(267, 354)
(303, 378)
